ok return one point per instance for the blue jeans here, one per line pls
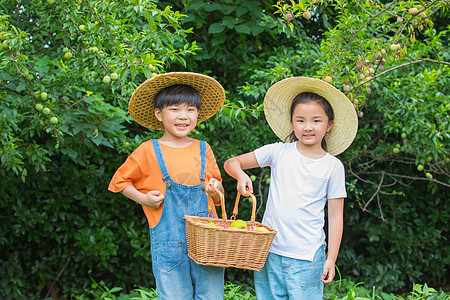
(289, 278)
(177, 276)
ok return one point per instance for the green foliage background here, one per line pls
(58, 221)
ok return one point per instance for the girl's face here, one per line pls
(178, 120)
(310, 124)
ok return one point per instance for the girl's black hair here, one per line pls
(178, 94)
(307, 97)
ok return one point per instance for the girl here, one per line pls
(318, 122)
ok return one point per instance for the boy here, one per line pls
(171, 177)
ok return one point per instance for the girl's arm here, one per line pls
(335, 228)
(235, 168)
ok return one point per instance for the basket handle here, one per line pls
(222, 203)
(236, 204)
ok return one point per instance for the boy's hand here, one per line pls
(153, 199)
(211, 192)
(328, 271)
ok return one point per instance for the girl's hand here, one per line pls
(328, 272)
(244, 184)
(153, 199)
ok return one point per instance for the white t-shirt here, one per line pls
(299, 189)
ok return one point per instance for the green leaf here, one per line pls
(216, 28)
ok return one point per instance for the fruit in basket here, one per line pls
(263, 229)
(239, 224)
(212, 224)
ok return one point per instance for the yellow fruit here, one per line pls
(239, 224)
(307, 15)
(263, 229)
(328, 79)
(212, 224)
(68, 55)
(413, 10)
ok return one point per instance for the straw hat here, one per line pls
(141, 106)
(277, 105)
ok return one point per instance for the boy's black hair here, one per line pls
(178, 94)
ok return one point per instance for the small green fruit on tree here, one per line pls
(396, 150)
(82, 27)
(54, 120)
(106, 79)
(428, 175)
(253, 178)
(114, 76)
(39, 106)
(44, 96)
(65, 50)
(68, 55)
(46, 111)
(420, 168)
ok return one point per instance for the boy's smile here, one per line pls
(178, 120)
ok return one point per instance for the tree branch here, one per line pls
(400, 66)
(376, 192)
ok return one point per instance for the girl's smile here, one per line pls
(310, 124)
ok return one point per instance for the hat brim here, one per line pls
(277, 105)
(141, 106)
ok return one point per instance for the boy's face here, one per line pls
(178, 120)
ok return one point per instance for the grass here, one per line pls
(337, 290)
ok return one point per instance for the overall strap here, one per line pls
(203, 158)
(160, 159)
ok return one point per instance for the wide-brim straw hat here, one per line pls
(141, 106)
(277, 105)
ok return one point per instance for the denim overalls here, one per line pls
(177, 276)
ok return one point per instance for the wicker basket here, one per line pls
(223, 246)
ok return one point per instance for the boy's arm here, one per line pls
(235, 168)
(152, 199)
(335, 228)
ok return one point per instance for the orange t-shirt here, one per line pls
(142, 170)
